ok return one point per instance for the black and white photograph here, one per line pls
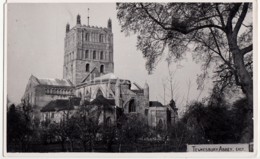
(130, 77)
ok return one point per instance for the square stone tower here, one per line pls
(87, 48)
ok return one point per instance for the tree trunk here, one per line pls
(71, 145)
(244, 77)
(84, 145)
(91, 142)
(246, 83)
(109, 145)
(90, 145)
(119, 148)
(62, 146)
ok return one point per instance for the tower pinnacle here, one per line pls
(88, 16)
(109, 24)
(78, 19)
(67, 27)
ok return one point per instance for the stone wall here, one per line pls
(155, 114)
(89, 91)
(42, 97)
(80, 68)
(81, 43)
(70, 47)
(56, 116)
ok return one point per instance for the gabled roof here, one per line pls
(34, 81)
(155, 104)
(61, 104)
(57, 105)
(100, 100)
(54, 82)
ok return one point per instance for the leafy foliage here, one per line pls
(19, 128)
(214, 121)
(219, 34)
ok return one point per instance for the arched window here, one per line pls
(80, 95)
(110, 56)
(86, 54)
(160, 125)
(87, 67)
(99, 93)
(101, 38)
(86, 92)
(132, 106)
(87, 36)
(102, 69)
(94, 54)
(101, 55)
(82, 55)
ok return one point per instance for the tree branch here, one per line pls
(220, 16)
(221, 70)
(247, 49)
(236, 78)
(178, 29)
(150, 16)
(241, 19)
(232, 14)
(184, 31)
(219, 51)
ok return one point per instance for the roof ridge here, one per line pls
(53, 78)
(36, 78)
(54, 81)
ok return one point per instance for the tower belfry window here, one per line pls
(94, 55)
(101, 38)
(101, 55)
(87, 36)
(160, 124)
(102, 69)
(86, 54)
(110, 56)
(132, 106)
(87, 67)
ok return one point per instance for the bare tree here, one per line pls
(221, 33)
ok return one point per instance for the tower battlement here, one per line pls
(87, 48)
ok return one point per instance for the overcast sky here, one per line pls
(35, 46)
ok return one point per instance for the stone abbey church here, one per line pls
(88, 75)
